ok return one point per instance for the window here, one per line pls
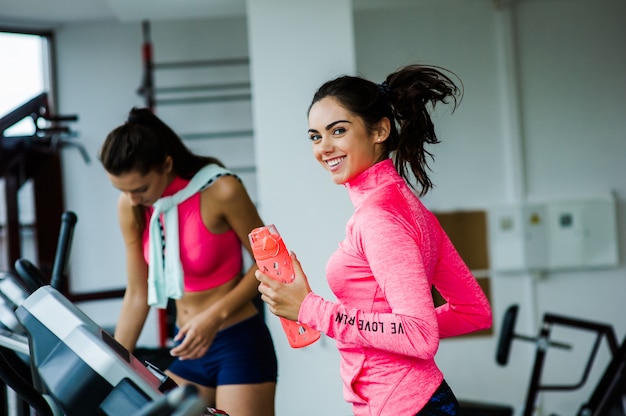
(24, 74)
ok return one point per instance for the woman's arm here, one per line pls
(135, 306)
(467, 308)
(239, 213)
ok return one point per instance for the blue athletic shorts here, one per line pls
(240, 354)
(442, 403)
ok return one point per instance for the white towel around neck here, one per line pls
(165, 277)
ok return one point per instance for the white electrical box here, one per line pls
(517, 237)
(583, 233)
(565, 234)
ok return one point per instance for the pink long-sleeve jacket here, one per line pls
(384, 321)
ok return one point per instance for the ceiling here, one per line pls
(50, 13)
(57, 12)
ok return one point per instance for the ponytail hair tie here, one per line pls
(383, 88)
(140, 116)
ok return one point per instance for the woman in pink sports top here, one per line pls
(223, 346)
(372, 140)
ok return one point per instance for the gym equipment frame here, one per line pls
(609, 397)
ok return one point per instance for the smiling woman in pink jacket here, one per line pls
(372, 139)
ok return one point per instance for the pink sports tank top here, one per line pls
(209, 260)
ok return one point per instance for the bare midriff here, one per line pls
(195, 303)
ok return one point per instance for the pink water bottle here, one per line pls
(273, 259)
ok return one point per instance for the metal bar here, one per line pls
(13, 247)
(585, 375)
(206, 87)
(207, 62)
(578, 323)
(533, 386)
(611, 386)
(204, 99)
(37, 106)
(600, 328)
(147, 83)
(217, 135)
(555, 344)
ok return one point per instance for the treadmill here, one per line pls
(81, 366)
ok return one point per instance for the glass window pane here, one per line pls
(21, 75)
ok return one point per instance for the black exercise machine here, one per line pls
(15, 288)
(609, 396)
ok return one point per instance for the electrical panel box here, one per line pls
(555, 235)
(517, 237)
(583, 233)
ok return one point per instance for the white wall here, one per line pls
(570, 62)
(294, 192)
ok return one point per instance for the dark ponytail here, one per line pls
(413, 92)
